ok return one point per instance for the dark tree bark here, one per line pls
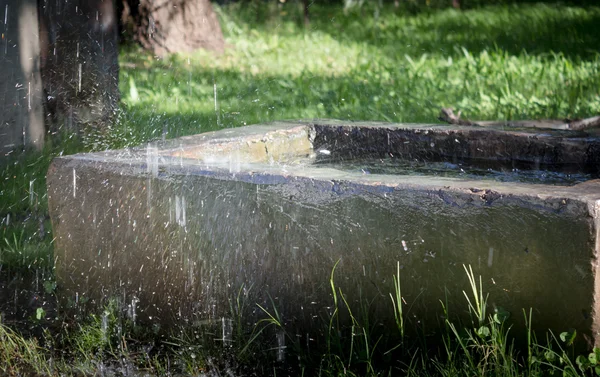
(456, 4)
(79, 62)
(165, 26)
(306, 5)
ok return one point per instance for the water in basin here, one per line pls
(512, 171)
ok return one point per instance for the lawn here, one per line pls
(492, 63)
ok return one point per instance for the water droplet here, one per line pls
(490, 257)
(74, 183)
(280, 346)
(227, 331)
(31, 192)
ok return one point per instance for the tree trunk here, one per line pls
(306, 5)
(166, 26)
(79, 62)
(456, 4)
(21, 115)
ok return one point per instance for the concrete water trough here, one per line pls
(177, 229)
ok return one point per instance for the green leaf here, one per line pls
(582, 362)
(501, 315)
(597, 370)
(483, 331)
(550, 356)
(40, 313)
(49, 286)
(592, 358)
(596, 352)
(568, 336)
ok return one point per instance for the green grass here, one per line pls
(496, 62)
(522, 62)
(352, 346)
(18, 354)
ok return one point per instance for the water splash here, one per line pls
(165, 129)
(152, 159)
(152, 169)
(79, 85)
(189, 77)
(74, 183)
(132, 309)
(227, 331)
(235, 162)
(180, 216)
(104, 326)
(4, 35)
(216, 104)
(490, 257)
(31, 192)
(469, 169)
(280, 346)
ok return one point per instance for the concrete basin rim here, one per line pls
(136, 160)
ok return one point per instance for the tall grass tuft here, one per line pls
(397, 302)
(21, 356)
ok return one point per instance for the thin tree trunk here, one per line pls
(306, 6)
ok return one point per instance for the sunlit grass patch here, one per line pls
(488, 85)
(262, 52)
(493, 63)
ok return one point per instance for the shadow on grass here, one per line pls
(538, 29)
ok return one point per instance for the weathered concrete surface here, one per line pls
(177, 228)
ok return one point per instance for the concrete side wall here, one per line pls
(21, 112)
(595, 208)
(183, 246)
(466, 143)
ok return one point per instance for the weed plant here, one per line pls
(110, 343)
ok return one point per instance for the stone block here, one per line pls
(177, 229)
